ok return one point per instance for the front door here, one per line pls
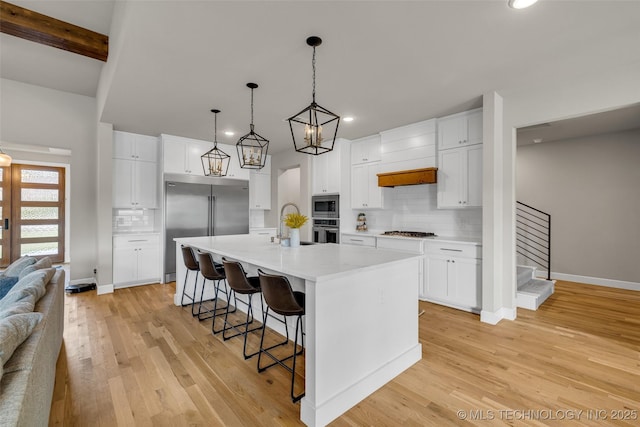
(33, 212)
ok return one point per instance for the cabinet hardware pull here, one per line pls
(356, 240)
(451, 250)
(139, 240)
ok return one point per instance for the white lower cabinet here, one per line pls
(454, 275)
(136, 259)
(358, 240)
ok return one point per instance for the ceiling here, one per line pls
(386, 63)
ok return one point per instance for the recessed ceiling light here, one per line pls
(229, 133)
(521, 4)
(347, 119)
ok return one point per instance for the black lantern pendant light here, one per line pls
(315, 128)
(252, 148)
(215, 162)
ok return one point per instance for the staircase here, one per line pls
(532, 292)
(533, 247)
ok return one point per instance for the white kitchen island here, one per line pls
(361, 319)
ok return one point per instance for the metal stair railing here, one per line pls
(533, 235)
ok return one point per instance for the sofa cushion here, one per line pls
(14, 330)
(39, 265)
(18, 265)
(24, 305)
(33, 283)
(6, 283)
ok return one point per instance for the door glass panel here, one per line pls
(39, 176)
(38, 213)
(39, 195)
(1, 192)
(1, 174)
(34, 249)
(30, 231)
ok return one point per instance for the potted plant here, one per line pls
(294, 221)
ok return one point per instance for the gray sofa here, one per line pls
(26, 388)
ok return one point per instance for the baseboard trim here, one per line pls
(598, 281)
(494, 317)
(79, 281)
(105, 289)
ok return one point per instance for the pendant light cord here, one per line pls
(251, 110)
(313, 65)
(215, 129)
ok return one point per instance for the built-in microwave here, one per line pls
(325, 206)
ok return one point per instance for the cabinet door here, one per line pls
(474, 128)
(124, 265)
(332, 170)
(123, 183)
(319, 175)
(437, 277)
(174, 157)
(123, 145)
(474, 175)
(451, 132)
(450, 178)
(465, 279)
(145, 185)
(146, 148)
(374, 192)
(366, 150)
(148, 263)
(359, 186)
(194, 153)
(260, 191)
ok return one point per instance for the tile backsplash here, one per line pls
(134, 220)
(414, 208)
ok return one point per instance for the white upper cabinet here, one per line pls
(459, 130)
(409, 147)
(460, 177)
(365, 193)
(135, 171)
(366, 150)
(132, 146)
(326, 171)
(184, 155)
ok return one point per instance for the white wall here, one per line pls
(591, 188)
(38, 116)
(604, 86)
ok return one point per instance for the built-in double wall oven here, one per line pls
(326, 218)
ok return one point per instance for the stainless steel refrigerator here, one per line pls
(196, 209)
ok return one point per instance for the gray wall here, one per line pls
(35, 115)
(591, 188)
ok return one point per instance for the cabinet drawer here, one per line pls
(448, 249)
(348, 239)
(135, 240)
(406, 245)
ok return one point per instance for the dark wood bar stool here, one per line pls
(242, 284)
(285, 301)
(192, 265)
(215, 273)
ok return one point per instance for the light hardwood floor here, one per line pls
(133, 358)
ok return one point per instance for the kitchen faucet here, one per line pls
(282, 213)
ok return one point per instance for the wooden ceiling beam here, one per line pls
(27, 24)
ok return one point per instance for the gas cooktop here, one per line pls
(420, 234)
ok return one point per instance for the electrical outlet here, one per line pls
(95, 271)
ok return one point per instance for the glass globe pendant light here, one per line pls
(215, 162)
(252, 148)
(314, 129)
